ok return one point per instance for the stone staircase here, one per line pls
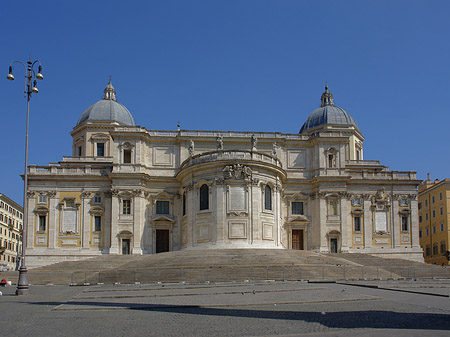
(225, 265)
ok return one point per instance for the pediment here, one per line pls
(298, 218)
(162, 219)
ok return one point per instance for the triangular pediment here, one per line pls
(297, 218)
(162, 219)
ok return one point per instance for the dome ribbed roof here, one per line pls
(329, 114)
(108, 109)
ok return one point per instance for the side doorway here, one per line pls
(162, 240)
(297, 239)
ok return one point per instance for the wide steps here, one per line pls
(225, 265)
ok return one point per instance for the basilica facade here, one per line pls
(129, 190)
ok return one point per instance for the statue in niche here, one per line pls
(219, 141)
(191, 148)
(254, 141)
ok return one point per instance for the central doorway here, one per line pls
(297, 239)
(333, 245)
(125, 246)
(162, 240)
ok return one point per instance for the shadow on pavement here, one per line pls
(344, 319)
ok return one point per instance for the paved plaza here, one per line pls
(369, 308)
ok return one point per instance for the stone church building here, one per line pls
(130, 190)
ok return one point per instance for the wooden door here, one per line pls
(297, 239)
(162, 240)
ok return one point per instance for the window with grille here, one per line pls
(162, 207)
(126, 206)
(297, 207)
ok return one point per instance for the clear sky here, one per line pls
(252, 65)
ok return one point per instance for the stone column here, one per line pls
(115, 211)
(346, 225)
(85, 220)
(30, 220)
(106, 241)
(138, 220)
(395, 228)
(322, 222)
(414, 230)
(52, 221)
(220, 212)
(367, 224)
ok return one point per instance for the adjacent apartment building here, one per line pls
(11, 217)
(434, 216)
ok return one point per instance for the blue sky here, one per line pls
(251, 65)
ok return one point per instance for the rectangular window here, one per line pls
(443, 247)
(184, 203)
(297, 207)
(434, 229)
(79, 151)
(442, 227)
(126, 206)
(420, 218)
(435, 250)
(100, 149)
(428, 231)
(428, 251)
(98, 223)
(426, 216)
(162, 207)
(420, 205)
(420, 233)
(42, 220)
(434, 213)
(97, 199)
(127, 156)
(441, 210)
(405, 226)
(432, 199)
(357, 220)
(42, 199)
(440, 196)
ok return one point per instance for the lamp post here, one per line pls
(30, 76)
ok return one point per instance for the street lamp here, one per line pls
(30, 76)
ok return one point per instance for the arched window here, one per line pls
(268, 198)
(204, 197)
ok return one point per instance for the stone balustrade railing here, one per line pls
(59, 170)
(230, 155)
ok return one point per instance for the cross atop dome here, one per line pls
(327, 97)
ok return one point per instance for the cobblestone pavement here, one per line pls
(375, 308)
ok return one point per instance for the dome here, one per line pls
(108, 109)
(328, 114)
